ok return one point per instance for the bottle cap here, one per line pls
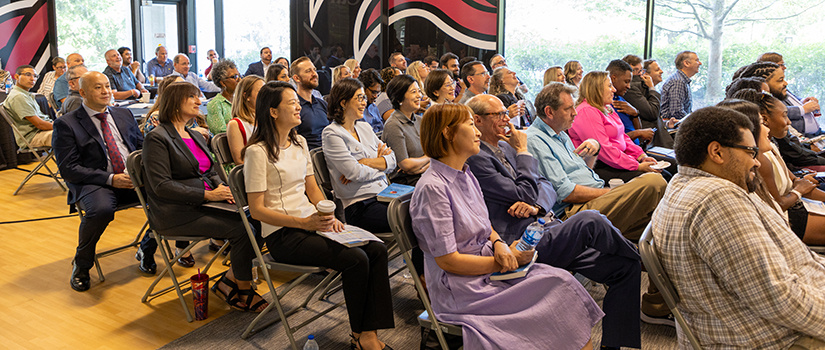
(311, 337)
(541, 221)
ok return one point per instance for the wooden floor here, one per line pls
(38, 308)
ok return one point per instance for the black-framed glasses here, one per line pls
(236, 77)
(753, 150)
(361, 98)
(375, 92)
(500, 115)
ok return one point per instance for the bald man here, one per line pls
(91, 145)
(125, 86)
(61, 85)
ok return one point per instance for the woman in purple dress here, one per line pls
(547, 308)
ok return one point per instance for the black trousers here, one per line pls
(607, 172)
(99, 209)
(363, 272)
(219, 224)
(368, 214)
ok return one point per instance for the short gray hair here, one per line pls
(219, 71)
(477, 104)
(550, 96)
(681, 58)
(72, 72)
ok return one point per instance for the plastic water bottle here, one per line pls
(311, 344)
(9, 83)
(531, 237)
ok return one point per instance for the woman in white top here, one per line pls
(239, 129)
(358, 161)
(282, 195)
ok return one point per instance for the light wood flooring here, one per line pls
(38, 308)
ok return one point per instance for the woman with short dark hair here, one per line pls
(439, 86)
(278, 72)
(401, 130)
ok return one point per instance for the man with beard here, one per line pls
(745, 279)
(800, 111)
(259, 68)
(313, 109)
(449, 61)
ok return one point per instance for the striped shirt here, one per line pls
(676, 98)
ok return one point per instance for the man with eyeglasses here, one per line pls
(516, 195)
(61, 85)
(74, 100)
(125, 86)
(372, 88)
(35, 126)
(182, 65)
(745, 279)
(477, 79)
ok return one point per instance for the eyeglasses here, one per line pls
(482, 73)
(753, 150)
(500, 115)
(33, 75)
(236, 77)
(375, 92)
(361, 98)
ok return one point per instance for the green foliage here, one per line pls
(91, 27)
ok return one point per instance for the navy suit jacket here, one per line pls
(502, 190)
(81, 152)
(256, 68)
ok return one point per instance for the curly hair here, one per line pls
(704, 126)
(220, 71)
(744, 83)
(570, 70)
(386, 75)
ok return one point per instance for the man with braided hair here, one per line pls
(800, 111)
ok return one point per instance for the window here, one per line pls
(743, 30)
(255, 24)
(538, 35)
(91, 27)
(206, 31)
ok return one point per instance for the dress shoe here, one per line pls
(187, 261)
(213, 247)
(147, 263)
(80, 279)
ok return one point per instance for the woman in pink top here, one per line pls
(619, 157)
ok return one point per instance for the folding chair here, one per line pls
(654, 269)
(238, 188)
(134, 165)
(37, 152)
(401, 224)
(220, 146)
(81, 211)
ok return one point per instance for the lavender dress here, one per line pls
(546, 309)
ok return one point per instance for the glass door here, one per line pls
(161, 27)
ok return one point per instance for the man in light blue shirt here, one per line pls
(161, 65)
(628, 206)
(181, 63)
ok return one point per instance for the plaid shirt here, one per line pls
(745, 280)
(676, 98)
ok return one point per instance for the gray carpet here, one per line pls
(332, 330)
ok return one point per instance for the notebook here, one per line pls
(521, 271)
(393, 191)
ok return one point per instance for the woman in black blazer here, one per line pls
(180, 177)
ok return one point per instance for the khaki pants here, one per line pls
(42, 138)
(628, 206)
(807, 343)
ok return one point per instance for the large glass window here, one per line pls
(205, 14)
(542, 34)
(91, 27)
(729, 34)
(160, 27)
(252, 24)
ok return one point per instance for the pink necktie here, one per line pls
(111, 144)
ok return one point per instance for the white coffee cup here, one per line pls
(144, 98)
(326, 207)
(613, 183)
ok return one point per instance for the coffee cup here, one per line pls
(613, 183)
(144, 98)
(326, 207)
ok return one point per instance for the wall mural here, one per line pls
(24, 34)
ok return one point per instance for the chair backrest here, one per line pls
(654, 269)
(237, 186)
(220, 145)
(319, 167)
(134, 167)
(17, 134)
(398, 215)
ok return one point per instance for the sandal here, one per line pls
(250, 295)
(232, 298)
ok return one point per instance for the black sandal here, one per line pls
(232, 298)
(250, 295)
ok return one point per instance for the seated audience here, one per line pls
(283, 194)
(354, 67)
(74, 99)
(642, 95)
(152, 119)
(35, 126)
(240, 128)
(282, 61)
(340, 72)
(61, 84)
(161, 65)
(440, 86)
(618, 157)
(219, 109)
(503, 84)
(47, 85)
(212, 57)
(175, 191)
(181, 64)
(132, 65)
(756, 83)
(336, 53)
(628, 206)
(313, 109)
(621, 75)
(800, 111)
(587, 243)
(397, 60)
(401, 131)
(461, 250)
(259, 68)
(431, 62)
(573, 71)
(277, 71)
(96, 175)
(554, 73)
(124, 84)
(358, 161)
(477, 79)
(677, 101)
(383, 101)
(373, 84)
(419, 72)
(744, 279)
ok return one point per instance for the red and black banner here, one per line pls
(25, 33)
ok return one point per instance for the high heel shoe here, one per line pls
(355, 344)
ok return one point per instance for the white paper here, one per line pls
(813, 206)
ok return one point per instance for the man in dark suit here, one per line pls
(587, 243)
(91, 145)
(259, 68)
